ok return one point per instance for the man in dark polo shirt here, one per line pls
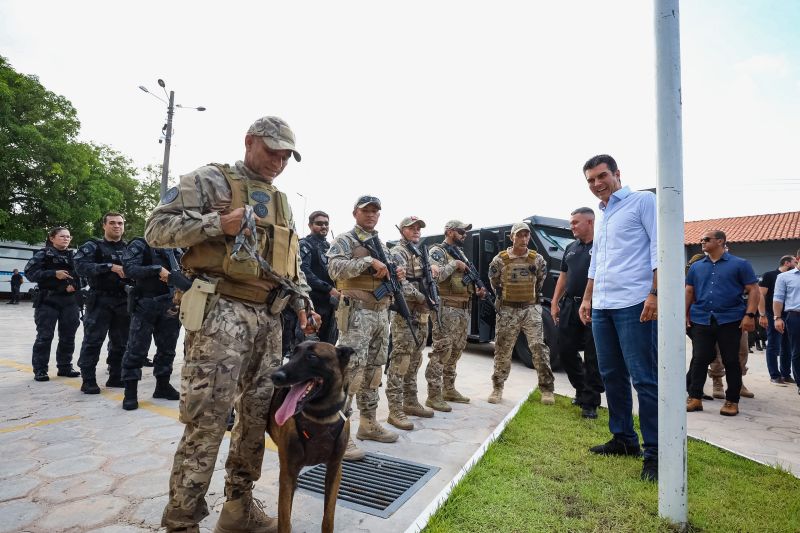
(574, 335)
(777, 344)
(717, 314)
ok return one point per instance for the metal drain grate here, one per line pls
(378, 485)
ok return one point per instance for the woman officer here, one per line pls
(57, 302)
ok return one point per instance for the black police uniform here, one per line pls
(574, 335)
(152, 317)
(106, 312)
(16, 284)
(314, 264)
(54, 305)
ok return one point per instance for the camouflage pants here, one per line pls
(401, 382)
(227, 363)
(368, 335)
(510, 322)
(717, 370)
(448, 343)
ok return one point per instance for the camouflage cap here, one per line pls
(519, 226)
(275, 133)
(364, 201)
(457, 224)
(410, 221)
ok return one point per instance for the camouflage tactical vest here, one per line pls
(452, 287)
(518, 279)
(364, 281)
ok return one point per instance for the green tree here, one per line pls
(48, 178)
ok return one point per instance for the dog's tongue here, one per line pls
(289, 405)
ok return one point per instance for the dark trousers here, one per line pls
(704, 339)
(108, 316)
(151, 320)
(61, 310)
(778, 349)
(574, 336)
(328, 332)
(14, 294)
(792, 328)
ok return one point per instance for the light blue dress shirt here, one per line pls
(625, 250)
(787, 290)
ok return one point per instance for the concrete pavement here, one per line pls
(73, 462)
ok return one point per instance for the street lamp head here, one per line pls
(161, 82)
(201, 108)
(142, 87)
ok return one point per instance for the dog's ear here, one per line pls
(344, 353)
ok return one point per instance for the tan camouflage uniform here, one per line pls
(525, 317)
(227, 362)
(368, 324)
(449, 340)
(401, 381)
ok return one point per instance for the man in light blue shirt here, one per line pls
(620, 303)
(786, 306)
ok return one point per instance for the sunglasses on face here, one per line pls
(320, 223)
(460, 231)
(706, 239)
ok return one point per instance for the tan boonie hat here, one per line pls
(519, 226)
(275, 133)
(410, 221)
(364, 201)
(457, 224)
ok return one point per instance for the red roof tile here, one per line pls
(756, 228)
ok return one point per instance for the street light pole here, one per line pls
(167, 144)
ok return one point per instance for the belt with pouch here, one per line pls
(518, 305)
(372, 306)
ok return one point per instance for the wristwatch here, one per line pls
(751, 315)
(654, 292)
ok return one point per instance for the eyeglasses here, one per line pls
(460, 231)
(320, 223)
(706, 239)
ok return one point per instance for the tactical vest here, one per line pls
(364, 281)
(107, 252)
(55, 259)
(452, 287)
(276, 242)
(152, 286)
(518, 279)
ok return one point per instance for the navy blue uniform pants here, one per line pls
(151, 320)
(108, 316)
(61, 310)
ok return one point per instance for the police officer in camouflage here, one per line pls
(362, 319)
(517, 275)
(56, 303)
(314, 262)
(401, 379)
(153, 316)
(100, 261)
(232, 317)
(450, 339)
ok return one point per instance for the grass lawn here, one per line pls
(540, 476)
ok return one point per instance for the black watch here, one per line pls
(654, 292)
(751, 315)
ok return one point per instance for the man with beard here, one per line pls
(450, 339)
(314, 263)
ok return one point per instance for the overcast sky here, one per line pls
(444, 109)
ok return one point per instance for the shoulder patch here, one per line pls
(170, 196)
(437, 255)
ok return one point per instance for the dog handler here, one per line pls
(232, 320)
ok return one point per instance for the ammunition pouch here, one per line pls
(278, 300)
(196, 302)
(343, 314)
(132, 299)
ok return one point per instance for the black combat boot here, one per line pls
(68, 372)
(89, 386)
(115, 378)
(130, 402)
(165, 390)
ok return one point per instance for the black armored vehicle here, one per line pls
(549, 237)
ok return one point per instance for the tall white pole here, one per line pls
(671, 308)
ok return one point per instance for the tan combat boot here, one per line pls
(729, 409)
(245, 514)
(438, 404)
(693, 404)
(497, 395)
(353, 452)
(398, 418)
(452, 395)
(745, 392)
(370, 429)
(548, 398)
(719, 389)
(413, 408)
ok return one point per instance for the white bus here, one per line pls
(15, 254)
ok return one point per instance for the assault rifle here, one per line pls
(392, 285)
(429, 287)
(471, 275)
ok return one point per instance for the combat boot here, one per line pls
(548, 398)
(719, 389)
(130, 402)
(497, 395)
(165, 390)
(244, 514)
(452, 395)
(89, 386)
(413, 408)
(745, 392)
(370, 429)
(68, 372)
(114, 378)
(353, 452)
(438, 404)
(398, 418)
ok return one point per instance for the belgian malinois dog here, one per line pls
(308, 424)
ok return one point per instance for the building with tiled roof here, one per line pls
(761, 239)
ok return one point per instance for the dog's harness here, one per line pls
(327, 427)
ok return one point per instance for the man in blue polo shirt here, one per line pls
(786, 307)
(717, 314)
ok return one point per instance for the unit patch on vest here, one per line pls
(170, 196)
(260, 197)
(260, 210)
(437, 255)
